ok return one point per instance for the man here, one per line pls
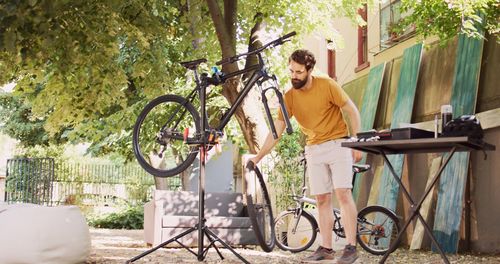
(318, 105)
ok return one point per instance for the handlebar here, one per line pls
(273, 43)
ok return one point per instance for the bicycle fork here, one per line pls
(289, 128)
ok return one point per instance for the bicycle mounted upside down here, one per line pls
(180, 129)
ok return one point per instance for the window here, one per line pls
(390, 15)
(362, 42)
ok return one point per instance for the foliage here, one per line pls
(449, 18)
(83, 66)
(54, 151)
(288, 171)
(86, 68)
(137, 189)
(128, 218)
(18, 121)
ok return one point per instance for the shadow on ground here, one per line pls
(118, 246)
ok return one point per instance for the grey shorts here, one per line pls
(329, 166)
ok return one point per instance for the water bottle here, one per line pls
(446, 115)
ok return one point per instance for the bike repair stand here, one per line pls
(200, 226)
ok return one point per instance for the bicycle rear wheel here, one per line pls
(158, 135)
(261, 214)
(295, 232)
(378, 227)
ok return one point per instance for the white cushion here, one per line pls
(39, 234)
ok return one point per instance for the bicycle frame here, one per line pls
(259, 76)
(301, 199)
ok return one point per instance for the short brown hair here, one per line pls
(304, 57)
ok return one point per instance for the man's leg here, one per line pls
(324, 253)
(348, 212)
(325, 218)
(349, 220)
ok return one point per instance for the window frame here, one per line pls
(363, 62)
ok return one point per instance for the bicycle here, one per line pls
(168, 133)
(296, 229)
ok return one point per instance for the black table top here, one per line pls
(420, 145)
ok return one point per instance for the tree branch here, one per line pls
(225, 39)
(254, 42)
(230, 16)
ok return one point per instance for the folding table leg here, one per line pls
(416, 207)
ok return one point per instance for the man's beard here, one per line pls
(298, 83)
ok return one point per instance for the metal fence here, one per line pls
(29, 180)
(42, 181)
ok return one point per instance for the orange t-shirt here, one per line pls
(318, 110)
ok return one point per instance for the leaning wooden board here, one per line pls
(451, 186)
(369, 108)
(402, 112)
(425, 209)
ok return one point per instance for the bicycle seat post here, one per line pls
(196, 77)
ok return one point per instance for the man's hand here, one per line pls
(252, 162)
(356, 155)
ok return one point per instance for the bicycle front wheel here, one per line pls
(378, 227)
(158, 137)
(295, 232)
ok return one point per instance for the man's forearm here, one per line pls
(269, 144)
(354, 118)
(270, 141)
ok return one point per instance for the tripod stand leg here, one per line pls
(212, 243)
(216, 238)
(145, 253)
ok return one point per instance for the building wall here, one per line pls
(317, 45)
(485, 212)
(346, 59)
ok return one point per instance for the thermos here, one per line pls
(446, 115)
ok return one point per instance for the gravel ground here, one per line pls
(117, 246)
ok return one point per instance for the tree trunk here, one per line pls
(249, 114)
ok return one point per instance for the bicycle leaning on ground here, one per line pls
(296, 229)
(168, 133)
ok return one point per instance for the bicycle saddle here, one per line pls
(357, 168)
(192, 64)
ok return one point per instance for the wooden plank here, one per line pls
(418, 234)
(377, 175)
(369, 109)
(489, 119)
(451, 189)
(401, 114)
(406, 204)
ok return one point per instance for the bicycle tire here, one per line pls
(373, 222)
(302, 228)
(261, 215)
(166, 155)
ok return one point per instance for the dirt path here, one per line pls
(117, 246)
